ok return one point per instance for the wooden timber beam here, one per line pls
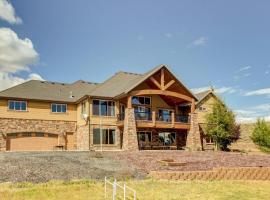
(169, 84)
(161, 92)
(162, 80)
(155, 82)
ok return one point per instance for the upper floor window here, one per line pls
(59, 108)
(103, 107)
(141, 100)
(17, 105)
(83, 107)
(202, 108)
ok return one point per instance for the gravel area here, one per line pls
(45, 166)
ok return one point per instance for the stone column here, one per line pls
(2, 142)
(194, 137)
(130, 140)
(83, 137)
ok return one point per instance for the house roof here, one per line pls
(202, 95)
(49, 91)
(119, 84)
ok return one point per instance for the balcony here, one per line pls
(150, 119)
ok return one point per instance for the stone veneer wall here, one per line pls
(82, 137)
(60, 128)
(194, 136)
(130, 139)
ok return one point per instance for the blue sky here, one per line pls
(224, 44)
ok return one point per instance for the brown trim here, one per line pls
(161, 92)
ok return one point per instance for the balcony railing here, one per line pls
(164, 117)
(182, 118)
(147, 116)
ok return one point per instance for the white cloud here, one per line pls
(8, 80)
(243, 69)
(7, 13)
(140, 37)
(221, 90)
(201, 89)
(251, 114)
(168, 35)
(15, 54)
(201, 41)
(263, 91)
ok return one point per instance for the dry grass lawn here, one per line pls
(146, 189)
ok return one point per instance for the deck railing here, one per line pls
(152, 116)
(182, 118)
(164, 117)
(147, 116)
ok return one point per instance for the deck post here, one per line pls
(173, 118)
(154, 118)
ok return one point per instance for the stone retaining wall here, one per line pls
(237, 173)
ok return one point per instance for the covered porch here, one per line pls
(161, 139)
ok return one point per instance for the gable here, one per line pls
(163, 82)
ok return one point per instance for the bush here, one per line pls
(221, 126)
(261, 134)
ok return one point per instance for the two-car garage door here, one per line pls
(31, 141)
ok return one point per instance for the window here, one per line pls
(164, 115)
(167, 138)
(141, 100)
(145, 136)
(17, 105)
(59, 108)
(108, 136)
(103, 107)
(202, 108)
(83, 107)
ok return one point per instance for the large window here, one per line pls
(108, 136)
(59, 108)
(141, 100)
(17, 105)
(103, 107)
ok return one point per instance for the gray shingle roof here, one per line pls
(49, 91)
(201, 95)
(118, 84)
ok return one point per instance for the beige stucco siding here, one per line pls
(38, 110)
(207, 103)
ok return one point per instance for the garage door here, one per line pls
(31, 141)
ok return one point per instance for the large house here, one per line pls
(128, 111)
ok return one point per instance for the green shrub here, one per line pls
(221, 126)
(261, 134)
